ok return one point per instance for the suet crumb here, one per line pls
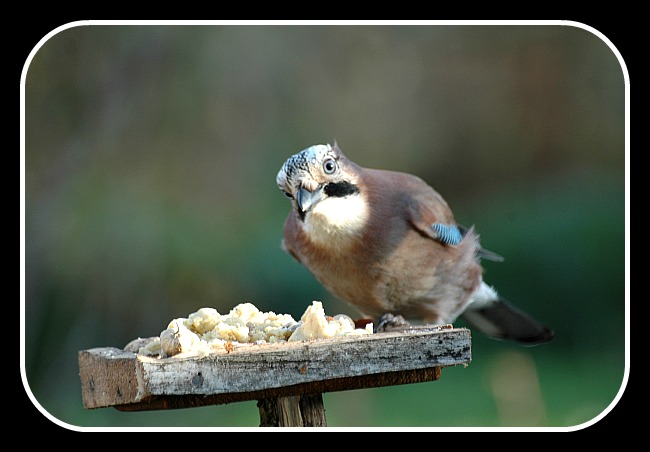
(206, 331)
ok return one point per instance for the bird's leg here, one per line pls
(390, 322)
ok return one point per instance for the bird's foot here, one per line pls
(390, 322)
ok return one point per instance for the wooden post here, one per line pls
(295, 411)
(287, 379)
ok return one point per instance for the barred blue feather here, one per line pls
(447, 233)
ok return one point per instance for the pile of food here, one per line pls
(206, 331)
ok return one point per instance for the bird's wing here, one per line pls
(430, 214)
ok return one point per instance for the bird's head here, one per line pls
(326, 191)
(316, 174)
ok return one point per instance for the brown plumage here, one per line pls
(367, 237)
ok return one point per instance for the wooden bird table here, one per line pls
(287, 379)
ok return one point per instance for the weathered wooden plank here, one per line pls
(108, 377)
(167, 402)
(111, 377)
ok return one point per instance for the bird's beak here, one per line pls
(307, 199)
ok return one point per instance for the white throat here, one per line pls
(336, 221)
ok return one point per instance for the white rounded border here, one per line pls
(327, 22)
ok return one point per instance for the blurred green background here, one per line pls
(150, 161)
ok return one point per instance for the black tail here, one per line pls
(501, 320)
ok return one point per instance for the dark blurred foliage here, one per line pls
(150, 162)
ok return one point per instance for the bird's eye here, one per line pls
(287, 194)
(329, 166)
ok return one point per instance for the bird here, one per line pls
(387, 244)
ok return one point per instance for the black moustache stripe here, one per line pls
(340, 189)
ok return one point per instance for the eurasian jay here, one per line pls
(387, 243)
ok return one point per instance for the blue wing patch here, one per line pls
(448, 234)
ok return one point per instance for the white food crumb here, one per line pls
(316, 325)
